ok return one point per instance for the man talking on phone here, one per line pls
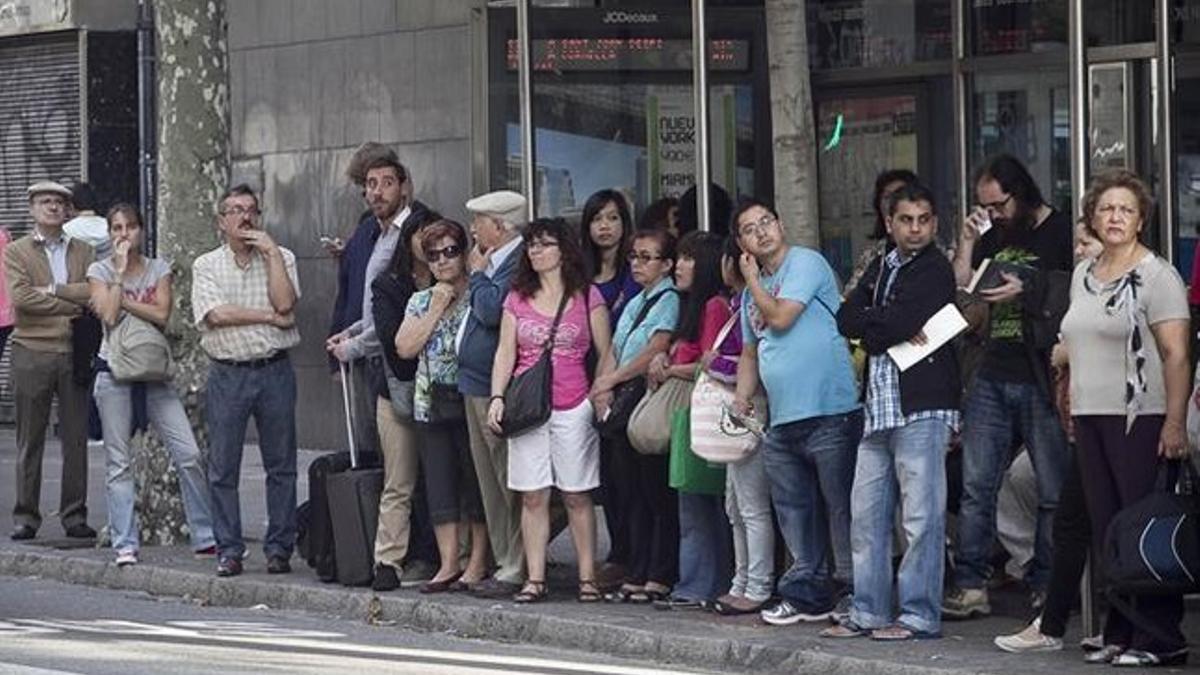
(497, 219)
(1009, 396)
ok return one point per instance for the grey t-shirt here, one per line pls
(139, 288)
(1097, 339)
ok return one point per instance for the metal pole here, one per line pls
(700, 93)
(959, 85)
(147, 140)
(1166, 82)
(1079, 120)
(525, 94)
(1079, 175)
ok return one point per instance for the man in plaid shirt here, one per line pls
(243, 298)
(909, 418)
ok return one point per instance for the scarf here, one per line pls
(1123, 300)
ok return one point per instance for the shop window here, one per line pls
(1027, 115)
(1117, 22)
(875, 33)
(1008, 27)
(860, 137)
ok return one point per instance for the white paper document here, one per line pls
(939, 329)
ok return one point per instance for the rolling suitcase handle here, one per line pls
(347, 374)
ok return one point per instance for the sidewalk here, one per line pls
(689, 639)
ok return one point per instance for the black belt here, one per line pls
(255, 363)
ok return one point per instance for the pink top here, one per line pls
(6, 310)
(716, 313)
(570, 344)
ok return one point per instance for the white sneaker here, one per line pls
(1029, 640)
(786, 614)
(126, 557)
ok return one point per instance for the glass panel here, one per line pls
(1187, 163)
(857, 33)
(1007, 27)
(1185, 21)
(1115, 22)
(1108, 117)
(1026, 114)
(634, 136)
(859, 138)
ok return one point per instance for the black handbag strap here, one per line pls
(645, 310)
(562, 305)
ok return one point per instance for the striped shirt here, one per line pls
(218, 280)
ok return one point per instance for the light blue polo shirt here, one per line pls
(805, 369)
(664, 315)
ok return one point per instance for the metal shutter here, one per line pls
(39, 133)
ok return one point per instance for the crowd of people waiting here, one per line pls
(1077, 356)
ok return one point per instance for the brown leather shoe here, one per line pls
(439, 586)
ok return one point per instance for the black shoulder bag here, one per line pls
(528, 399)
(625, 396)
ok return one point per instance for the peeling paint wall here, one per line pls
(310, 80)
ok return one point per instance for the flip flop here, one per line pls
(901, 633)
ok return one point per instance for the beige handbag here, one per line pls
(650, 423)
(138, 351)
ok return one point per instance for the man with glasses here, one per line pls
(497, 219)
(243, 299)
(789, 322)
(46, 273)
(1009, 400)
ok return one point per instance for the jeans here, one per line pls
(811, 466)
(703, 547)
(115, 401)
(909, 459)
(748, 505)
(234, 394)
(992, 412)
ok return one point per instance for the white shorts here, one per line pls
(563, 453)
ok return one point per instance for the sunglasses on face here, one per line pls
(449, 253)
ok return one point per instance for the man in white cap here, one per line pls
(496, 224)
(47, 282)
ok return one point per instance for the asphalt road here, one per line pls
(48, 627)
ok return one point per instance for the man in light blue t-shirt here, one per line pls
(793, 347)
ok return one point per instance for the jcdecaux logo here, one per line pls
(630, 17)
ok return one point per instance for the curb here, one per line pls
(494, 623)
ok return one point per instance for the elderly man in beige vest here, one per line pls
(46, 273)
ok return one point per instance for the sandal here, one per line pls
(846, 629)
(588, 591)
(647, 596)
(531, 592)
(901, 633)
(623, 594)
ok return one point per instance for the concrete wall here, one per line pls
(310, 81)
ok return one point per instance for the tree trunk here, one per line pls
(193, 169)
(792, 124)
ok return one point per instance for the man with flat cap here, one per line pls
(497, 219)
(47, 283)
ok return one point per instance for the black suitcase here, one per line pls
(352, 495)
(314, 529)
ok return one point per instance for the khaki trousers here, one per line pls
(501, 506)
(399, 480)
(38, 378)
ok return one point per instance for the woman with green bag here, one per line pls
(704, 539)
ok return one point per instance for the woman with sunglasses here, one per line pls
(651, 530)
(428, 333)
(130, 284)
(565, 451)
